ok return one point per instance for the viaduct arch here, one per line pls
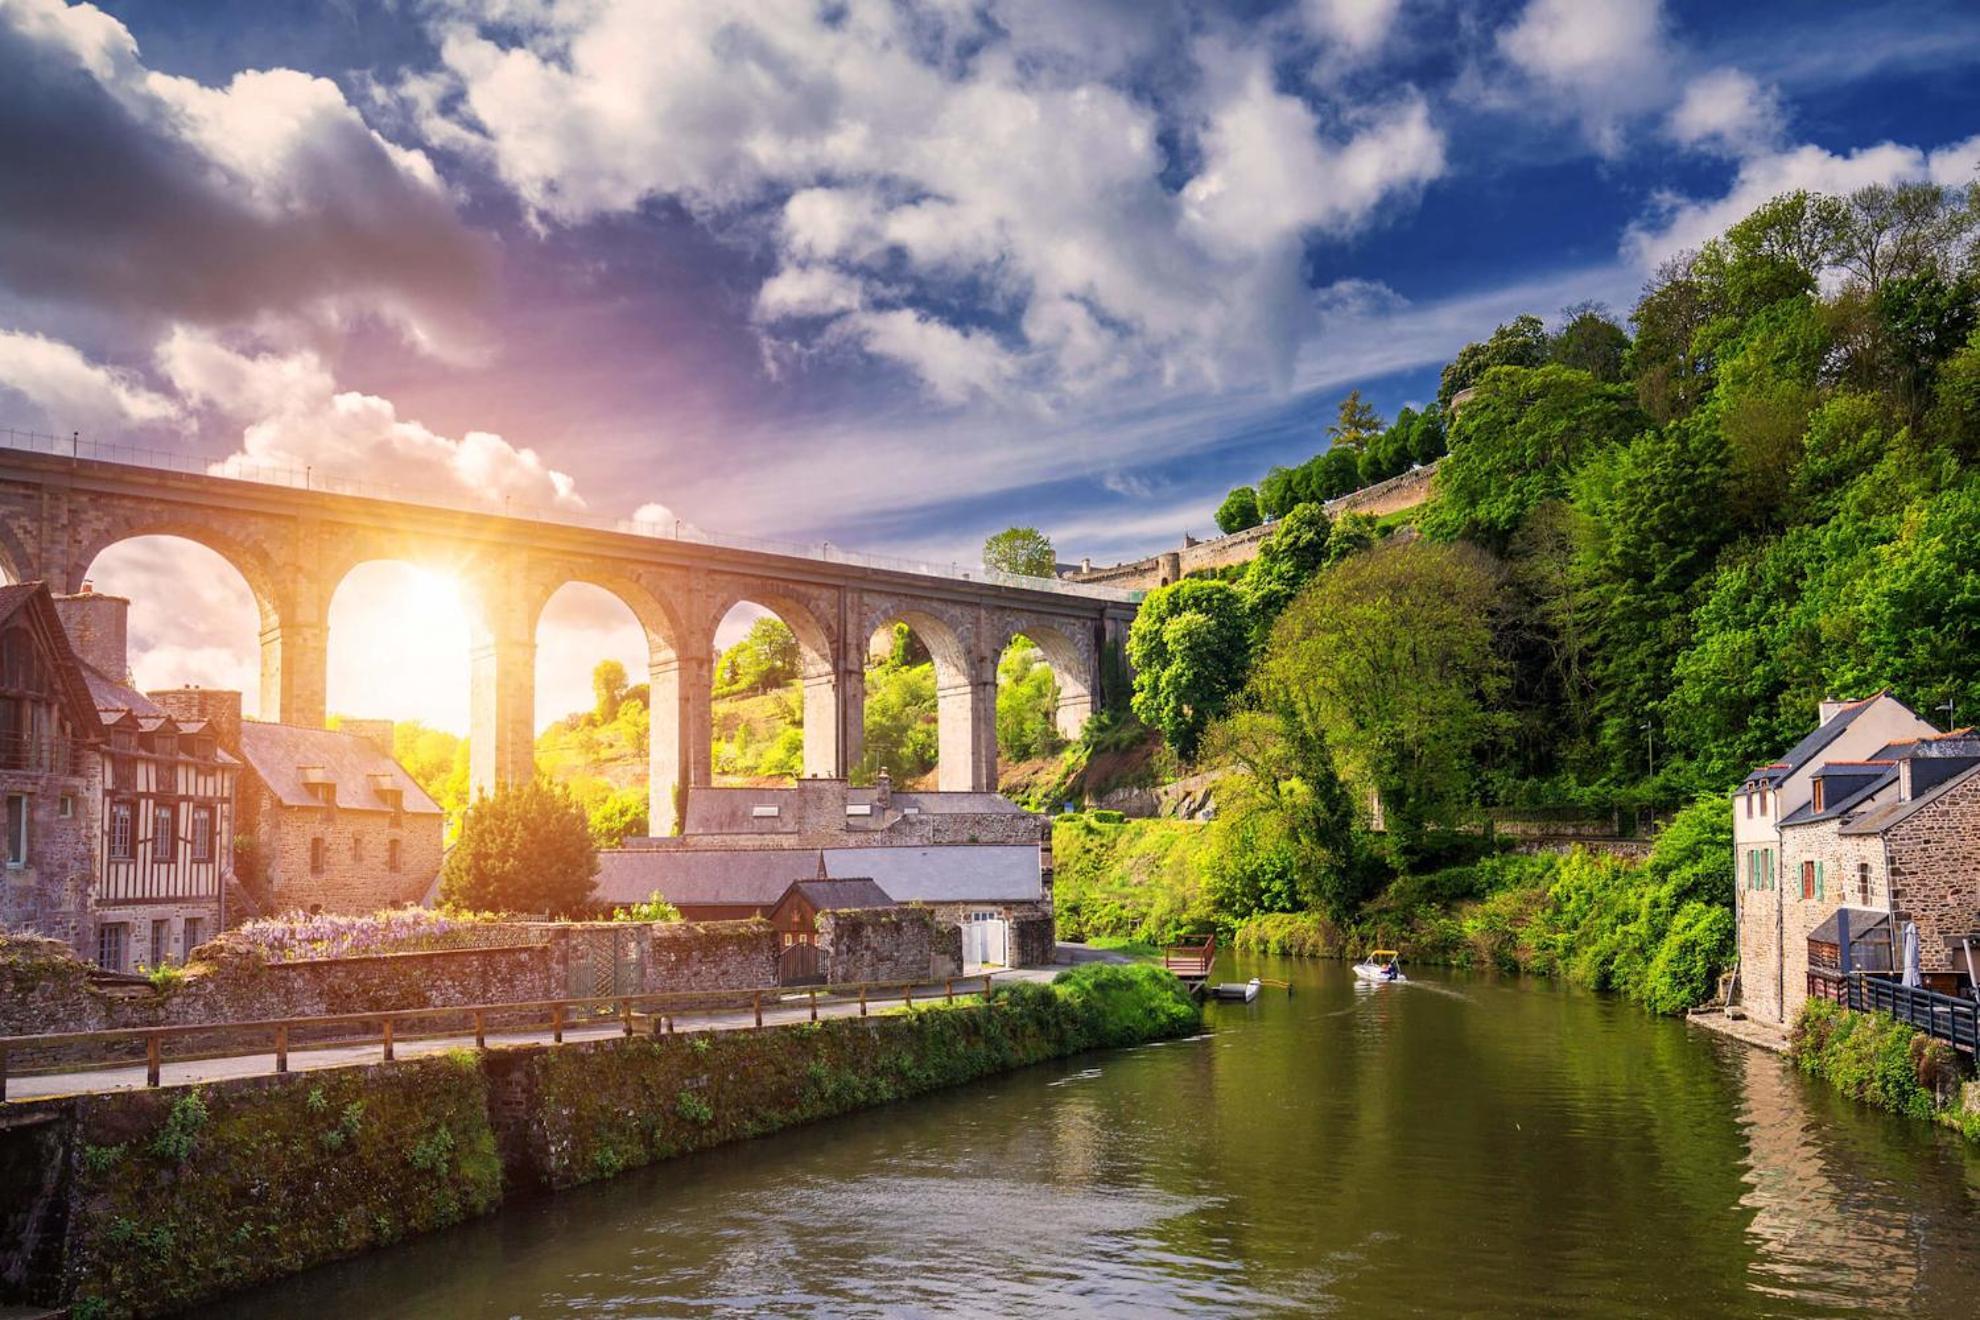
(293, 547)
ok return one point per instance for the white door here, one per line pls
(996, 941)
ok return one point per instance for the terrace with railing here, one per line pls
(1951, 1018)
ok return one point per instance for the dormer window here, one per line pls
(165, 744)
(1819, 795)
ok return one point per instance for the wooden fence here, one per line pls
(1945, 1017)
(658, 1009)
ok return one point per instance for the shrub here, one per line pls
(1866, 1056)
(655, 908)
(1126, 1004)
(526, 848)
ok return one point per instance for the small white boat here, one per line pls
(1245, 990)
(1380, 965)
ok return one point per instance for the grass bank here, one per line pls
(1881, 1061)
(175, 1196)
(1658, 932)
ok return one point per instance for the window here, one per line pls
(357, 848)
(194, 933)
(1818, 795)
(1863, 884)
(17, 829)
(65, 806)
(392, 854)
(164, 836)
(112, 945)
(317, 855)
(202, 834)
(763, 812)
(1749, 806)
(1808, 879)
(161, 941)
(166, 744)
(121, 846)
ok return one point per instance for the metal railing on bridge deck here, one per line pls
(660, 1009)
(1191, 962)
(235, 468)
(1950, 1018)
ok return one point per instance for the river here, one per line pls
(1463, 1144)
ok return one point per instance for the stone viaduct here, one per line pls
(294, 546)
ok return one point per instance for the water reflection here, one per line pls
(1458, 1145)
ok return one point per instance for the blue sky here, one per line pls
(894, 275)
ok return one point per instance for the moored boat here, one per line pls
(1245, 990)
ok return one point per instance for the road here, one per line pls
(796, 1007)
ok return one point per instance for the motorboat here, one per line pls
(1380, 965)
(1245, 990)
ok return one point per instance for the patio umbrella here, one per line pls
(1912, 979)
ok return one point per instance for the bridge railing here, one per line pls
(235, 468)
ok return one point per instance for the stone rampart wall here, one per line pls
(1384, 497)
(887, 944)
(712, 955)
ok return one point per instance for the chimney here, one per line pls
(883, 792)
(1829, 709)
(220, 708)
(99, 630)
(376, 732)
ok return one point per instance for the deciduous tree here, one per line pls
(525, 848)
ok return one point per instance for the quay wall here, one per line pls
(149, 1202)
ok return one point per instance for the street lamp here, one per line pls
(1650, 738)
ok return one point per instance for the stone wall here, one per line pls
(1384, 497)
(712, 955)
(1935, 870)
(356, 875)
(51, 894)
(140, 1202)
(887, 944)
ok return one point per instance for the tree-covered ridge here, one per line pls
(1647, 555)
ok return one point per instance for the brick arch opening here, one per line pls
(194, 619)
(1073, 671)
(964, 685)
(582, 620)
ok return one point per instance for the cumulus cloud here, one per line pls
(1360, 25)
(1685, 223)
(1729, 111)
(967, 191)
(294, 417)
(1601, 61)
(147, 194)
(68, 392)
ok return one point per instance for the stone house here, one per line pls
(977, 860)
(1844, 821)
(327, 821)
(49, 771)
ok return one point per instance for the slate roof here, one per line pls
(1881, 818)
(747, 877)
(952, 873)
(278, 753)
(1804, 751)
(1846, 792)
(837, 895)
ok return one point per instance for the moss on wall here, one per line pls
(1875, 1058)
(178, 1195)
(183, 1194)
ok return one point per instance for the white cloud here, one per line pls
(154, 196)
(1686, 223)
(971, 157)
(1729, 111)
(294, 417)
(1360, 25)
(1602, 60)
(68, 392)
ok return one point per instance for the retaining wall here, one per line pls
(142, 1203)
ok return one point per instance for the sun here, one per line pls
(399, 645)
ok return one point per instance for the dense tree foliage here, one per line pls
(1188, 646)
(1647, 555)
(765, 659)
(1027, 702)
(1238, 511)
(1025, 551)
(526, 848)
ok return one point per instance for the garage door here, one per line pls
(986, 939)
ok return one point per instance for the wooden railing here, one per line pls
(1945, 1017)
(1191, 962)
(660, 1008)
